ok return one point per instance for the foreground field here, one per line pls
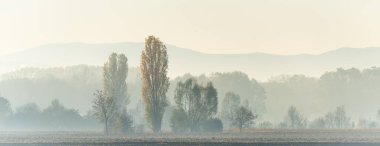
(254, 137)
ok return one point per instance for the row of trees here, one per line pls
(196, 105)
(351, 87)
(336, 120)
(110, 103)
(74, 86)
(54, 117)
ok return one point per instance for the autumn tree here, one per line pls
(198, 103)
(243, 118)
(154, 66)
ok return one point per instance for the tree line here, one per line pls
(54, 117)
(196, 104)
(207, 104)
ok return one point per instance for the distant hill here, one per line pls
(260, 66)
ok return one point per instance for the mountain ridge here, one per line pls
(257, 65)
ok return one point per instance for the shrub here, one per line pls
(212, 125)
(179, 121)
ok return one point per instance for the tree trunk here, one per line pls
(106, 126)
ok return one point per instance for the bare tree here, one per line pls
(104, 108)
(341, 119)
(154, 66)
(330, 120)
(294, 119)
(337, 119)
(243, 118)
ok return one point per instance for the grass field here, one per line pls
(252, 137)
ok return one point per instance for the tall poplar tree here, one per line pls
(115, 73)
(154, 66)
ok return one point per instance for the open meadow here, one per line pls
(253, 137)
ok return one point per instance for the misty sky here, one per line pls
(212, 26)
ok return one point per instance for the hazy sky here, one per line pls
(211, 26)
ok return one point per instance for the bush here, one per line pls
(126, 122)
(179, 121)
(212, 125)
(123, 123)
